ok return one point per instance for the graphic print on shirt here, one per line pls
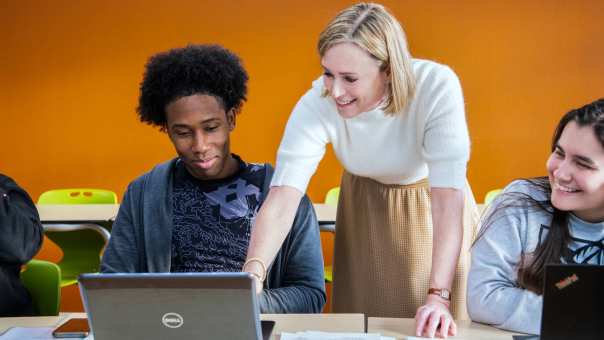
(580, 251)
(213, 219)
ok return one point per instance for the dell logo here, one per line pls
(172, 320)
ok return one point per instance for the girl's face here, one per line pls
(353, 78)
(576, 173)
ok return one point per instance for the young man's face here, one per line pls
(199, 128)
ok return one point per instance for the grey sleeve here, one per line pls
(494, 296)
(20, 228)
(122, 254)
(297, 283)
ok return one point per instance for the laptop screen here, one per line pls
(171, 306)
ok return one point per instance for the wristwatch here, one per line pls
(442, 292)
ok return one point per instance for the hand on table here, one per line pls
(434, 316)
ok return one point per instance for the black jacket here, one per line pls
(20, 239)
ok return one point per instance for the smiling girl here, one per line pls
(540, 221)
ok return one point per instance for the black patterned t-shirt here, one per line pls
(213, 218)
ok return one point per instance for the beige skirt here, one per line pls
(383, 249)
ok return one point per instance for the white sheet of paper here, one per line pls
(314, 335)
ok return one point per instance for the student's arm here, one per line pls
(20, 228)
(296, 281)
(493, 294)
(122, 254)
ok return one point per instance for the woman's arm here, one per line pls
(446, 149)
(447, 212)
(301, 150)
(296, 283)
(273, 222)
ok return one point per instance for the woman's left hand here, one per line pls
(433, 316)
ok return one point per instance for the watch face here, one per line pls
(443, 293)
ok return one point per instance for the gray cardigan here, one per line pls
(142, 234)
(494, 296)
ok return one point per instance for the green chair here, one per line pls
(328, 270)
(43, 281)
(78, 196)
(82, 244)
(490, 196)
(331, 198)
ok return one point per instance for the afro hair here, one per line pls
(195, 69)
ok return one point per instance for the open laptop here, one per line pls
(573, 302)
(171, 306)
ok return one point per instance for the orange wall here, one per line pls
(69, 75)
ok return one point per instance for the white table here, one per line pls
(94, 213)
(466, 329)
(283, 322)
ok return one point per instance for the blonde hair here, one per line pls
(371, 27)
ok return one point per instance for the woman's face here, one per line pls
(576, 173)
(353, 78)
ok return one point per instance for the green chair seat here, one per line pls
(42, 280)
(82, 246)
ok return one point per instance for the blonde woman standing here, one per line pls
(398, 127)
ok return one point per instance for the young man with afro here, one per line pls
(194, 213)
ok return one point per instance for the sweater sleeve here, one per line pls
(494, 296)
(122, 254)
(20, 228)
(446, 144)
(296, 283)
(303, 144)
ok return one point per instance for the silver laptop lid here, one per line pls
(171, 306)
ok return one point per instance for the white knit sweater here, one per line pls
(429, 139)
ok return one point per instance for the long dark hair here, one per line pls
(554, 246)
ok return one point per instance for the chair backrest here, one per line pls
(78, 196)
(42, 280)
(490, 196)
(82, 244)
(327, 239)
(332, 196)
